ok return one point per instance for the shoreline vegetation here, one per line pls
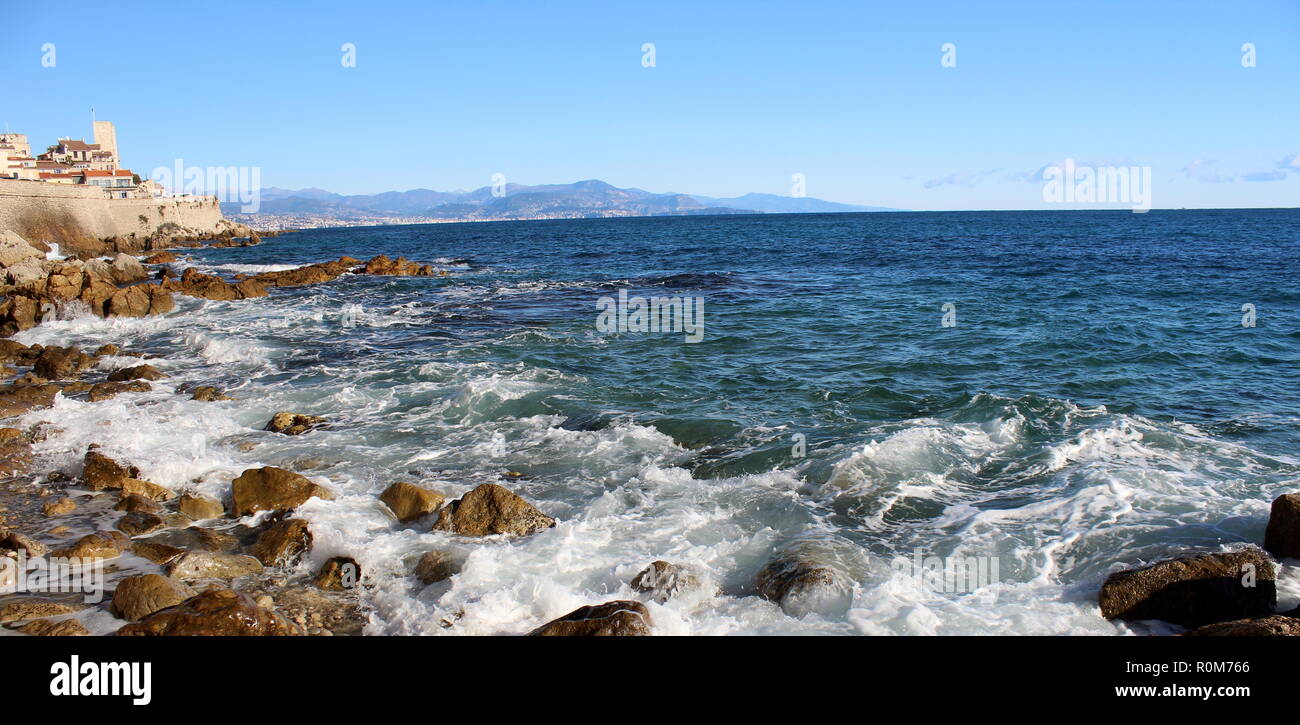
(225, 567)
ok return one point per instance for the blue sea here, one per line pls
(1056, 394)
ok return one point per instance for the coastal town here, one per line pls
(75, 162)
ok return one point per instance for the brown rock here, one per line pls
(108, 349)
(401, 267)
(138, 372)
(146, 489)
(135, 503)
(208, 394)
(35, 608)
(792, 576)
(155, 551)
(1194, 590)
(310, 274)
(14, 541)
(339, 574)
(139, 596)
(1283, 534)
(139, 523)
(59, 363)
(215, 612)
(491, 509)
(283, 542)
(198, 538)
(409, 502)
(270, 488)
(18, 399)
(662, 580)
(625, 618)
(103, 473)
(15, 452)
(106, 391)
(200, 507)
(434, 566)
(196, 284)
(52, 628)
(60, 507)
(160, 258)
(293, 423)
(212, 565)
(138, 301)
(1278, 625)
(99, 545)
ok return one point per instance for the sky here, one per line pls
(855, 97)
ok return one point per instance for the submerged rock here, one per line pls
(1282, 537)
(623, 618)
(107, 391)
(139, 596)
(270, 488)
(663, 580)
(59, 363)
(59, 507)
(283, 542)
(793, 577)
(491, 509)
(200, 507)
(215, 612)
(293, 424)
(139, 523)
(138, 372)
(434, 566)
(53, 628)
(35, 608)
(14, 541)
(134, 502)
(409, 502)
(1193, 590)
(212, 565)
(15, 452)
(99, 545)
(209, 394)
(340, 573)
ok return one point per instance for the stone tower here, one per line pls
(106, 137)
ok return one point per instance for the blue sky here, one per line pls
(742, 95)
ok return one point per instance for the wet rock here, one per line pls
(139, 596)
(212, 565)
(1193, 590)
(339, 574)
(196, 284)
(492, 509)
(79, 386)
(99, 545)
(792, 578)
(215, 612)
(15, 452)
(122, 269)
(198, 538)
(60, 363)
(310, 274)
(1283, 534)
(107, 349)
(401, 267)
(107, 391)
(103, 473)
(156, 551)
(1278, 625)
(624, 618)
(409, 502)
(135, 503)
(434, 566)
(270, 488)
(200, 507)
(209, 394)
(59, 507)
(283, 542)
(320, 612)
(663, 580)
(138, 372)
(139, 523)
(146, 489)
(293, 423)
(19, 399)
(139, 301)
(160, 258)
(12, 351)
(35, 608)
(52, 628)
(14, 541)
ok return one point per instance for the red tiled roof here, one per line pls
(72, 145)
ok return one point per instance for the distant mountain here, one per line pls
(582, 199)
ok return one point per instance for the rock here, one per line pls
(138, 372)
(15, 452)
(409, 502)
(14, 541)
(106, 391)
(79, 386)
(52, 628)
(99, 545)
(1277, 625)
(662, 580)
(139, 523)
(155, 551)
(434, 566)
(12, 351)
(208, 394)
(35, 608)
(196, 284)
(401, 267)
(200, 507)
(135, 503)
(108, 349)
(160, 258)
(310, 274)
(18, 399)
(212, 565)
(793, 577)
(15, 250)
(60, 363)
(624, 618)
(270, 488)
(283, 542)
(139, 301)
(1283, 534)
(60, 507)
(339, 574)
(197, 538)
(215, 612)
(103, 473)
(1194, 590)
(139, 596)
(123, 269)
(293, 423)
(146, 489)
(491, 509)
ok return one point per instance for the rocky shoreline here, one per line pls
(186, 564)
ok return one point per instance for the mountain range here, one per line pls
(582, 199)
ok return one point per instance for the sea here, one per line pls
(1044, 397)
